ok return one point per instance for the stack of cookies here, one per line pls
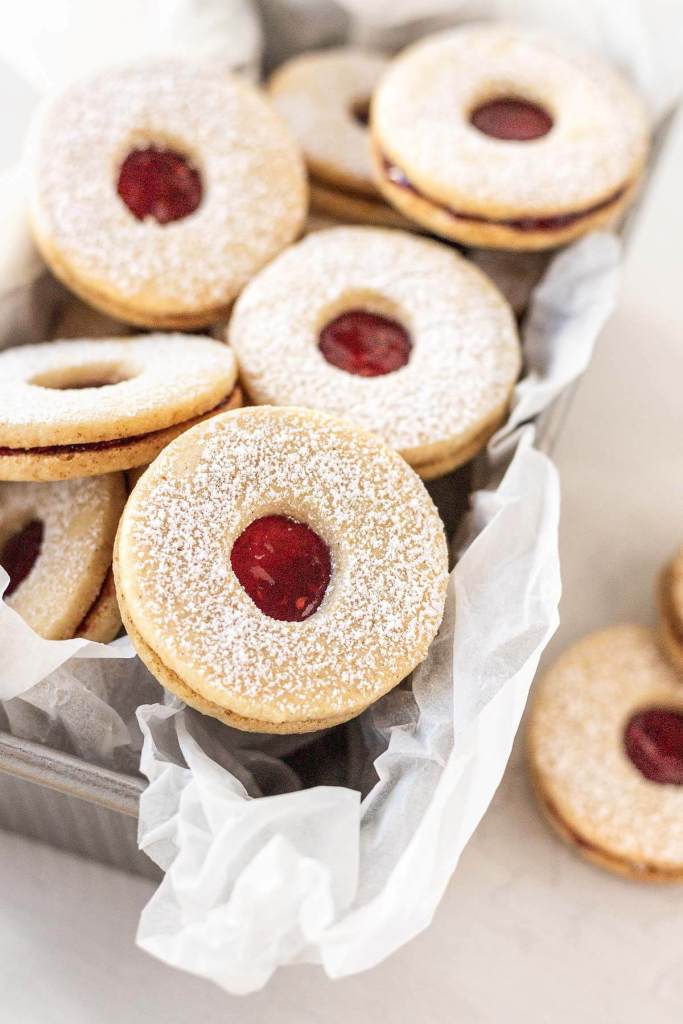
(248, 501)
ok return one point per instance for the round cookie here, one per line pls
(56, 543)
(160, 189)
(670, 601)
(321, 588)
(606, 753)
(506, 137)
(324, 96)
(397, 333)
(81, 408)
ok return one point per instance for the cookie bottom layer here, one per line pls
(476, 231)
(170, 680)
(64, 462)
(595, 854)
(129, 312)
(443, 463)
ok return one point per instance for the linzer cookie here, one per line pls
(325, 97)
(81, 408)
(56, 544)
(606, 752)
(160, 189)
(311, 575)
(397, 333)
(670, 599)
(505, 137)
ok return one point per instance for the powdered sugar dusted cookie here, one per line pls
(325, 97)
(56, 544)
(670, 599)
(81, 408)
(397, 333)
(506, 137)
(160, 189)
(310, 578)
(606, 752)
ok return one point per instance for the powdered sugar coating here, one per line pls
(389, 564)
(165, 379)
(465, 356)
(315, 93)
(577, 748)
(79, 520)
(421, 111)
(254, 193)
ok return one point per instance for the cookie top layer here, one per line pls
(78, 523)
(465, 354)
(323, 96)
(253, 185)
(421, 123)
(90, 390)
(384, 601)
(577, 747)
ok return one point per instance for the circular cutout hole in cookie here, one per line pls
(159, 184)
(78, 378)
(365, 344)
(511, 119)
(653, 741)
(20, 552)
(283, 565)
(360, 111)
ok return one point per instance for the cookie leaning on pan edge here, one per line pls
(85, 407)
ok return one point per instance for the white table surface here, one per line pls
(526, 931)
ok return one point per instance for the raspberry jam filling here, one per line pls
(283, 565)
(19, 553)
(513, 120)
(653, 740)
(365, 344)
(159, 183)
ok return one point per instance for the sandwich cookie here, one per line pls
(606, 753)
(280, 569)
(81, 408)
(505, 137)
(397, 333)
(160, 189)
(670, 599)
(324, 97)
(56, 542)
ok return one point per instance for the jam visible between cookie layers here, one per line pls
(114, 442)
(159, 183)
(365, 344)
(20, 553)
(511, 120)
(283, 565)
(556, 223)
(653, 741)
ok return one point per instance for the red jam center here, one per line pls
(283, 565)
(512, 119)
(19, 553)
(159, 183)
(366, 344)
(653, 740)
